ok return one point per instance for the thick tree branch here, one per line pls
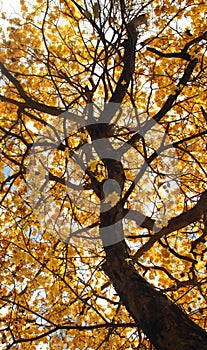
(180, 54)
(29, 102)
(128, 69)
(172, 98)
(183, 53)
(167, 105)
(176, 223)
(126, 74)
(161, 320)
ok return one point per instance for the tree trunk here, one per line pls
(166, 326)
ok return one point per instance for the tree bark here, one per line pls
(164, 323)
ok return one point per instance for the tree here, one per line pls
(103, 175)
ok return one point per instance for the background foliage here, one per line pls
(64, 54)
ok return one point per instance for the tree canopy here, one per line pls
(103, 137)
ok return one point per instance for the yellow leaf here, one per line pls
(112, 198)
(123, 82)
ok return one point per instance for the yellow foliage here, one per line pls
(61, 54)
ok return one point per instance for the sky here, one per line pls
(10, 6)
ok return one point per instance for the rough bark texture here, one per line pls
(165, 324)
(167, 327)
